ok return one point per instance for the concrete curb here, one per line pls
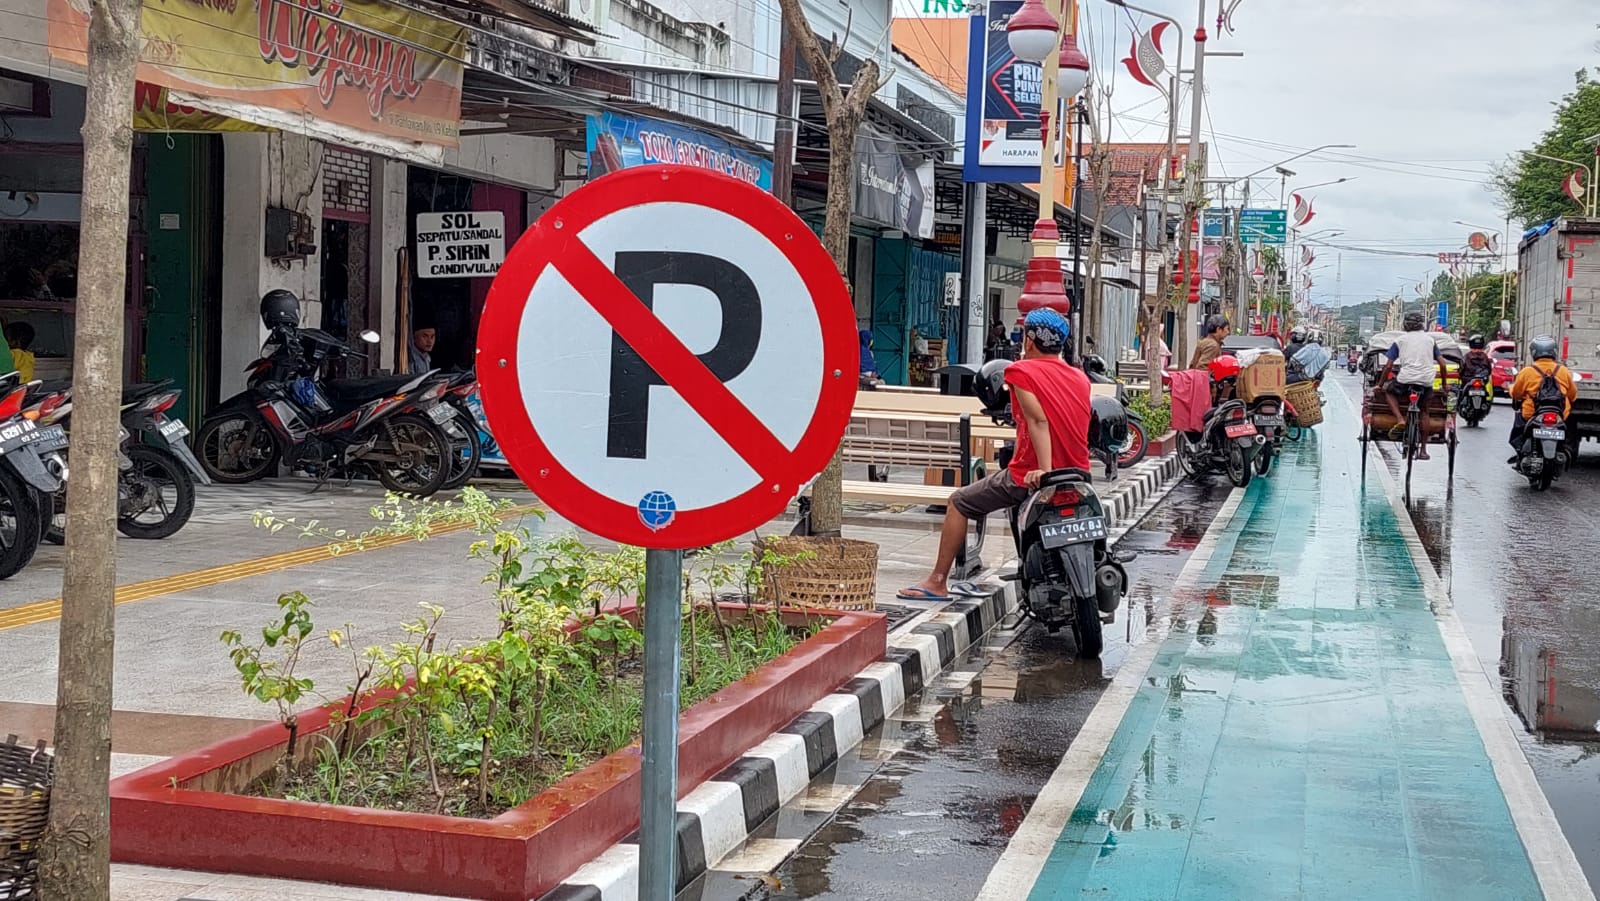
(717, 817)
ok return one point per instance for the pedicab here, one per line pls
(1422, 423)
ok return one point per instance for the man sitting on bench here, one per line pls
(1050, 400)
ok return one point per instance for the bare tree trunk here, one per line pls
(844, 112)
(75, 855)
(1100, 178)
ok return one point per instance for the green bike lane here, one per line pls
(1313, 725)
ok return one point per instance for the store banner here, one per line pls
(619, 141)
(1003, 97)
(890, 189)
(154, 110)
(351, 71)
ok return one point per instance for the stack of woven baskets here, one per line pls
(25, 776)
(1307, 405)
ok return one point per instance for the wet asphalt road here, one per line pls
(932, 822)
(1522, 568)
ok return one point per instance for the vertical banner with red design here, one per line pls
(341, 70)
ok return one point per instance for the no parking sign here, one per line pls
(668, 356)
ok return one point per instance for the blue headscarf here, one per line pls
(1047, 328)
(869, 363)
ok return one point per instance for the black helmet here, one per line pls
(279, 307)
(1543, 347)
(1476, 342)
(990, 385)
(1415, 320)
(1214, 322)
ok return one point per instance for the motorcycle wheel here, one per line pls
(425, 451)
(1541, 482)
(227, 457)
(1137, 446)
(161, 478)
(1239, 466)
(466, 455)
(1087, 631)
(1263, 461)
(19, 524)
(1186, 457)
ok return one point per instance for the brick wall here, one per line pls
(346, 181)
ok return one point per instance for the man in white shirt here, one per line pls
(1413, 365)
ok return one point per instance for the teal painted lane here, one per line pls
(1301, 733)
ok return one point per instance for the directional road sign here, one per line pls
(1264, 226)
(667, 356)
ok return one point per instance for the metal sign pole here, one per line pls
(658, 795)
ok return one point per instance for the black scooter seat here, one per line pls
(1063, 476)
(141, 390)
(363, 390)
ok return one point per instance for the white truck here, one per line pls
(1558, 294)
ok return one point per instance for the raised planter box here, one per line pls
(1164, 446)
(181, 812)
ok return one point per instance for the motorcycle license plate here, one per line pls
(1477, 392)
(16, 433)
(1072, 531)
(50, 438)
(1241, 430)
(441, 413)
(1550, 434)
(173, 429)
(1267, 422)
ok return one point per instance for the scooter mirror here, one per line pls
(370, 336)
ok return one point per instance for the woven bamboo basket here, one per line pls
(25, 776)
(1307, 406)
(833, 574)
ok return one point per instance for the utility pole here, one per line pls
(783, 138)
(1193, 185)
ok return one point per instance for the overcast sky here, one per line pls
(1431, 92)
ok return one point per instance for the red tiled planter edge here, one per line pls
(157, 819)
(1165, 445)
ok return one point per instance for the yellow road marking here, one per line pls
(44, 611)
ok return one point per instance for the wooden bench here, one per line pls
(906, 389)
(1135, 374)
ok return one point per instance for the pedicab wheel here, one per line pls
(1451, 441)
(1366, 444)
(1294, 432)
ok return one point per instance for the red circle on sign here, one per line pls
(553, 242)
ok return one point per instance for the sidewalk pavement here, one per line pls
(1314, 726)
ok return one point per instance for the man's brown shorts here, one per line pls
(997, 492)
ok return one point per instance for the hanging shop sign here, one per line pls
(619, 141)
(1003, 97)
(358, 72)
(154, 110)
(890, 189)
(471, 244)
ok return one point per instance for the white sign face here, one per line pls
(645, 437)
(460, 245)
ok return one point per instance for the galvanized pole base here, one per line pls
(663, 616)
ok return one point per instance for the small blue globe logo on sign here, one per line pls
(657, 510)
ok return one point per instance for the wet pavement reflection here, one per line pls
(1522, 567)
(930, 822)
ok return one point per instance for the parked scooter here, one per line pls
(1268, 415)
(1067, 573)
(1543, 456)
(392, 425)
(1137, 443)
(31, 472)
(1228, 440)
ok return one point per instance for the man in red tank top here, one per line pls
(1050, 402)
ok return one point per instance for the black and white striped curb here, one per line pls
(1139, 488)
(716, 817)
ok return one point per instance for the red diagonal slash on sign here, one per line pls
(661, 350)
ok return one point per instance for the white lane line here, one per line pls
(1018, 868)
(1554, 863)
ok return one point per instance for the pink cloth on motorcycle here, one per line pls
(1191, 399)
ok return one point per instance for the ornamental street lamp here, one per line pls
(1035, 36)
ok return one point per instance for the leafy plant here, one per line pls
(1157, 415)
